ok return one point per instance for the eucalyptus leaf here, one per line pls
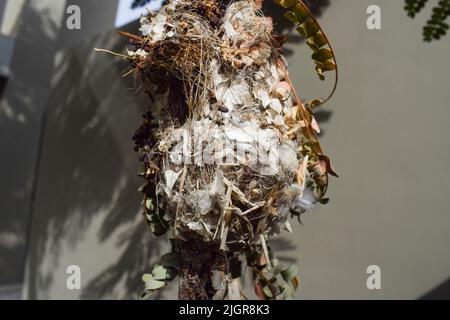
(322, 55)
(291, 17)
(146, 277)
(147, 294)
(308, 28)
(162, 273)
(287, 293)
(267, 292)
(159, 273)
(289, 273)
(171, 260)
(152, 284)
(149, 205)
(269, 275)
(158, 229)
(143, 187)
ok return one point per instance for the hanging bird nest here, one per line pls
(230, 153)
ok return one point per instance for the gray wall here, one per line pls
(23, 110)
(387, 137)
(385, 130)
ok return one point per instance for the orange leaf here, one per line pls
(295, 282)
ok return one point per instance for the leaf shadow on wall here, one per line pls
(87, 177)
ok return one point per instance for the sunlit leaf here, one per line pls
(151, 283)
(322, 55)
(308, 28)
(147, 294)
(162, 273)
(149, 205)
(289, 273)
(267, 292)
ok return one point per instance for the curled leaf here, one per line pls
(313, 104)
(267, 292)
(322, 55)
(147, 294)
(308, 27)
(162, 273)
(326, 163)
(289, 273)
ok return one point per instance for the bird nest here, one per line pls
(226, 145)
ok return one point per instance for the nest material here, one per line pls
(224, 147)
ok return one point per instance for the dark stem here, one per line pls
(199, 262)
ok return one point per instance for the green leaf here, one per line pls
(146, 277)
(149, 205)
(317, 41)
(147, 294)
(151, 283)
(143, 187)
(289, 273)
(157, 228)
(291, 17)
(287, 293)
(323, 55)
(320, 73)
(269, 275)
(171, 260)
(159, 273)
(308, 28)
(162, 273)
(267, 292)
(330, 65)
(300, 13)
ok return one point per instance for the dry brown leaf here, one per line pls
(326, 163)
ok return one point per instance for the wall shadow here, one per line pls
(441, 292)
(87, 177)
